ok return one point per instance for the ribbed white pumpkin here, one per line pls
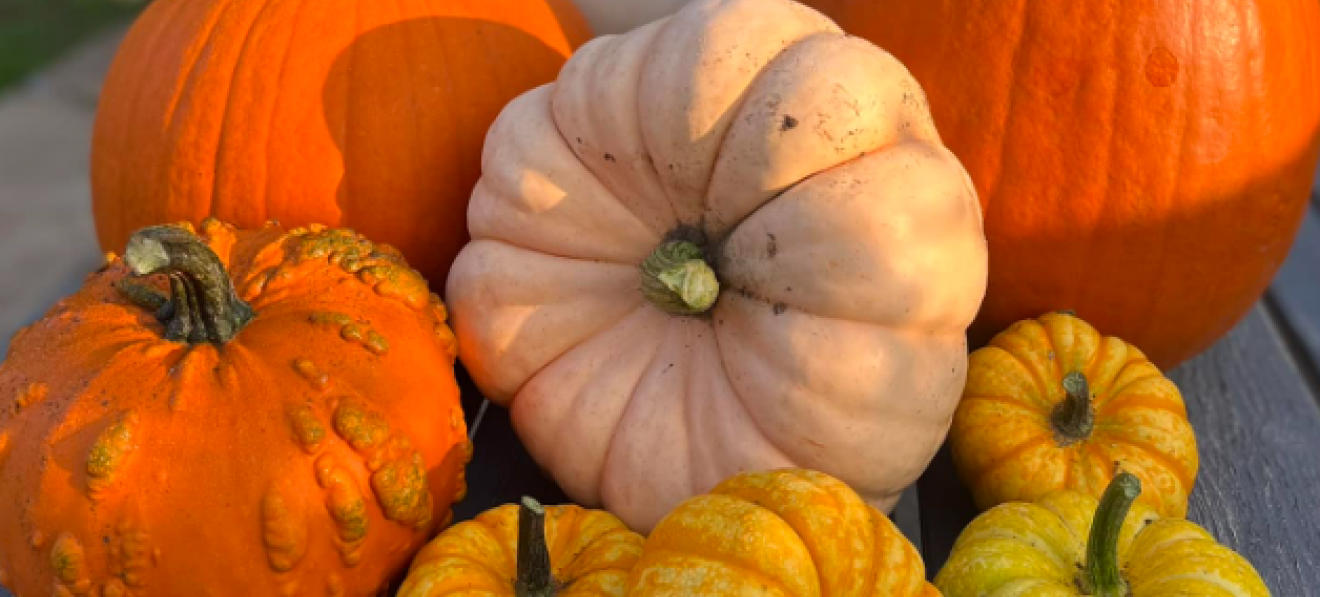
(803, 165)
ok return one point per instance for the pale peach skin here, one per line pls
(846, 240)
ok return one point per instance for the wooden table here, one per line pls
(1254, 400)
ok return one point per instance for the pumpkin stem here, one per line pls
(1072, 419)
(535, 577)
(1101, 575)
(202, 306)
(677, 279)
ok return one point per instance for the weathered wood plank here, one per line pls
(1258, 430)
(946, 509)
(1296, 291)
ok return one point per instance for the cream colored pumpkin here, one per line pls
(845, 238)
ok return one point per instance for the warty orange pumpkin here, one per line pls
(351, 113)
(729, 240)
(1146, 164)
(231, 412)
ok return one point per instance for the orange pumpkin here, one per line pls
(788, 532)
(351, 113)
(527, 550)
(1051, 404)
(288, 426)
(1145, 163)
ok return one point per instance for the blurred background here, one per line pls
(53, 56)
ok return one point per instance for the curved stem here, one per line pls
(1073, 419)
(535, 577)
(1101, 575)
(202, 306)
(677, 279)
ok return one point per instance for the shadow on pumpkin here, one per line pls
(408, 106)
(1168, 288)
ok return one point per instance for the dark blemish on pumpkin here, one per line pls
(609, 157)
(579, 139)
(779, 308)
(788, 124)
(813, 442)
(771, 248)
(788, 289)
(1161, 67)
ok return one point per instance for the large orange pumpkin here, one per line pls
(355, 113)
(1145, 163)
(290, 426)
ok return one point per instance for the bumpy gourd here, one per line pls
(728, 240)
(226, 412)
(1051, 404)
(788, 532)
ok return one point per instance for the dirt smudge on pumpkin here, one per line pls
(1161, 67)
(779, 308)
(789, 123)
(772, 247)
(30, 394)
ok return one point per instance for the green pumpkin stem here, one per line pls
(677, 279)
(1073, 418)
(202, 306)
(1101, 576)
(535, 577)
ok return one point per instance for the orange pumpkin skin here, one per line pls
(1145, 164)
(313, 453)
(353, 113)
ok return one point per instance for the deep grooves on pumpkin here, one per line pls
(230, 96)
(1126, 401)
(1031, 410)
(277, 102)
(978, 477)
(733, 389)
(1174, 467)
(714, 559)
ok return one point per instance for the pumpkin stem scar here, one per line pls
(535, 578)
(202, 306)
(677, 279)
(1073, 418)
(1101, 576)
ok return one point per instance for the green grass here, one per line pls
(35, 32)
